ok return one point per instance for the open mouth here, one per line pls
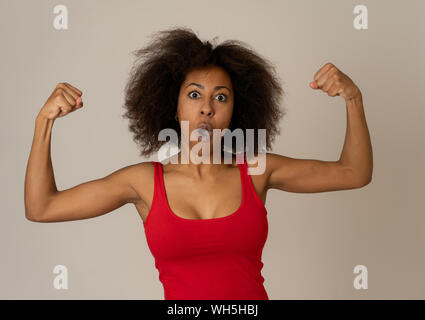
(205, 130)
(206, 126)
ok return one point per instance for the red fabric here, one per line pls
(205, 259)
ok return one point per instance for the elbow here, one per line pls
(357, 179)
(34, 215)
(36, 211)
(30, 216)
(364, 181)
(29, 213)
(33, 219)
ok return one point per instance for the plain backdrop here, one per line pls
(315, 240)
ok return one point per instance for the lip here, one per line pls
(206, 126)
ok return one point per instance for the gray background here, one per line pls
(315, 240)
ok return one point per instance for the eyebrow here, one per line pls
(202, 87)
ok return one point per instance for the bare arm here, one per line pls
(355, 165)
(44, 203)
(357, 150)
(308, 175)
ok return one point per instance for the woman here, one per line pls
(205, 223)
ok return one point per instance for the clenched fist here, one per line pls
(335, 83)
(63, 100)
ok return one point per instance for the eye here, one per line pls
(224, 97)
(190, 93)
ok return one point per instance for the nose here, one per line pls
(207, 110)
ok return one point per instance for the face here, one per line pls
(206, 95)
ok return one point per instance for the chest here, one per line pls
(208, 199)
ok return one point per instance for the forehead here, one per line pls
(214, 74)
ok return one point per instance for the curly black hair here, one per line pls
(160, 68)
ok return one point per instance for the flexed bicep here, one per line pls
(89, 199)
(309, 175)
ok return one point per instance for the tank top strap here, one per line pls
(248, 185)
(243, 167)
(244, 173)
(246, 181)
(159, 189)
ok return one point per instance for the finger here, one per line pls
(64, 111)
(64, 105)
(70, 99)
(65, 86)
(334, 91)
(79, 92)
(79, 102)
(324, 77)
(314, 85)
(322, 71)
(328, 84)
(330, 80)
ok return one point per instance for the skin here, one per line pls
(195, 191)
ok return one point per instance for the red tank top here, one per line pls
(208, 259)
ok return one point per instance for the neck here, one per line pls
(204, 164)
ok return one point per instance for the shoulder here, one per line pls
(266, 164)
(270, 159)
(261, 159)
(140, 177)
(137, 170)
